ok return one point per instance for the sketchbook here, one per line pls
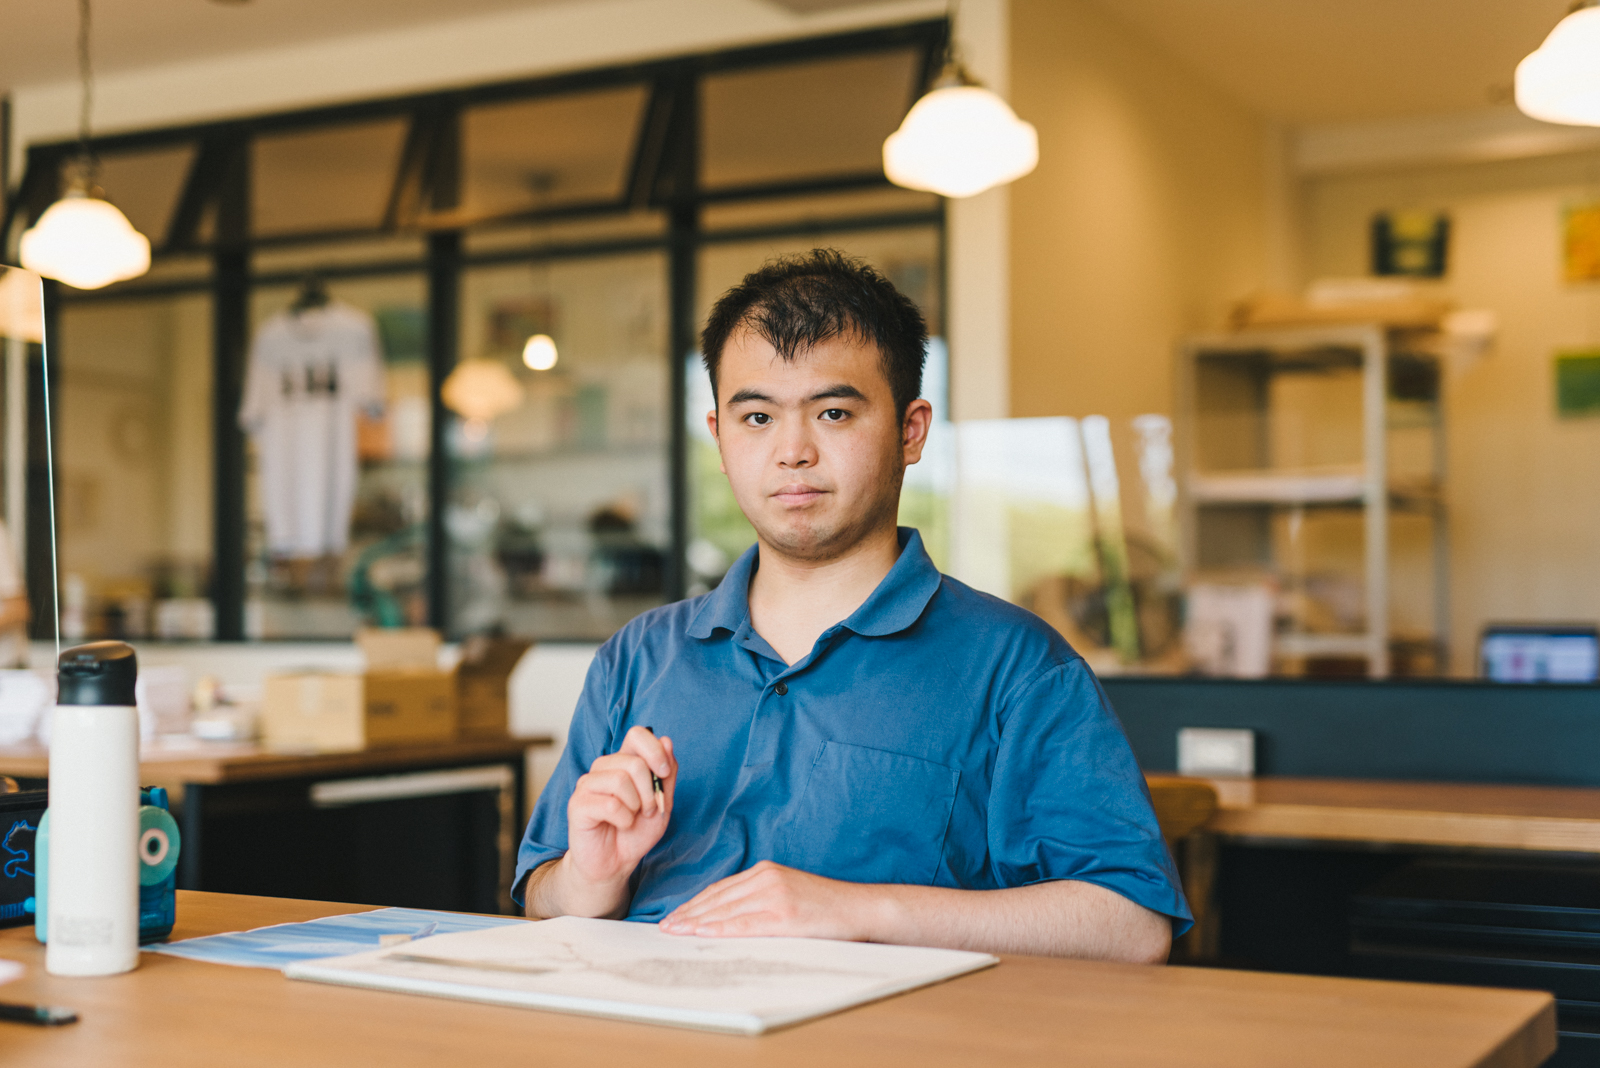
(331, 936)
(632, 971)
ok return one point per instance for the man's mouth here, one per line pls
(796, 493)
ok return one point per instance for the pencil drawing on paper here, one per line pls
(706, 972)
(714, 969)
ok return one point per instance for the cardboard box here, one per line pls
(399, 648)
(482, 684)
(322, 712)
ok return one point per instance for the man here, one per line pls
(848, 744)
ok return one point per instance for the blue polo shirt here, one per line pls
(937, 737)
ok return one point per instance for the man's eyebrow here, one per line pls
(745, 396)
(839, 392)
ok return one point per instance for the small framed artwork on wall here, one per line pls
(1410, 243)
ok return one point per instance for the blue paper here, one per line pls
(331, 936)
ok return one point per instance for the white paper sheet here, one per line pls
(633, 971)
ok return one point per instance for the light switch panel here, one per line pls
(1213, 751)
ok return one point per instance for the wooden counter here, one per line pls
(214, 763)
(1478, 815)
(172, 1013)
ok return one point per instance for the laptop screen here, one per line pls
(1540, 654)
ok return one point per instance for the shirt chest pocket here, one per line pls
(871, 816)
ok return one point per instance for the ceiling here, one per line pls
(1308, 61)
(40, 39)
(1301, 61)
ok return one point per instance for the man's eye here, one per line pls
(758, 419)
(835, 415)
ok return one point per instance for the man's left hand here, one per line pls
(770, 899)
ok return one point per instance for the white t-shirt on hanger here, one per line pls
(310, 372)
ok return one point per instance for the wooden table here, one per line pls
(174, 1013)
(1473, 815)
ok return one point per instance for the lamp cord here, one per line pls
(85, 77)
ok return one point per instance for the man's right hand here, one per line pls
(613, 820)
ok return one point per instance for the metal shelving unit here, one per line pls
(1235, 486)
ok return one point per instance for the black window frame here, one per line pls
(663, 175)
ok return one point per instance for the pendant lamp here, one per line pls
(82, 239)
(1560, 80)
(539, 354)
(479, 391)
(959, 139)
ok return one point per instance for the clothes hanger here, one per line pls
(313, 294)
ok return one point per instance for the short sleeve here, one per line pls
(1068, 800)
(363, 364)
(258, 381)
(588, 738)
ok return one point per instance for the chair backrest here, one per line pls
(1182, 805)
(545, 686)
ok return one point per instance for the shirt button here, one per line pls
(780, 689)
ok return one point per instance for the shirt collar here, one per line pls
(896, 604)
(728, 605)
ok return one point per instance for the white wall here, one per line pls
(979, 243)
(1523, 484)
(1148, 214)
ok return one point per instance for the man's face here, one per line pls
(813, 447)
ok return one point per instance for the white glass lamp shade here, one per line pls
(480, 390)
(959, 141)
(85, 242)
(540, 352)
(1560, 80)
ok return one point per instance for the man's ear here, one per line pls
(711, 425)
(914, 430)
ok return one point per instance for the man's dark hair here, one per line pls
(796, 302)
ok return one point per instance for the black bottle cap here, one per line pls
(100, 673)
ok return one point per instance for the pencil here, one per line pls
(655, 784)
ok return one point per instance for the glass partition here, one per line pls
(338, 398)
(554, 210)
(25, 590)
(548, 152)
(324, 178)
(792, 121)
(145, 186)
(559, 515)
(822, 210)
(133, 467)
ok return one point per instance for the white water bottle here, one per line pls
(93, 893)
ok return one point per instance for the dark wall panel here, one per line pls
(1438, 731)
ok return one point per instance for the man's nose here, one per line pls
(796, 450)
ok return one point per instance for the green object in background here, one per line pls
(403, 333)
(590, 403)
(1578, 383)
